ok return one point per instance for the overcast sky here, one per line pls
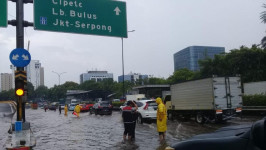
(162, 28)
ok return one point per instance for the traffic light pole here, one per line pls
(20, 44)
(20, 24)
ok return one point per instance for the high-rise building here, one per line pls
(189, 57)
(13, 68)
(35, 73)
(6, 81)
(132, 77)
(95, 75)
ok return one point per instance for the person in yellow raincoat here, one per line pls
(66, 109)
(77, 109)
(161, 119)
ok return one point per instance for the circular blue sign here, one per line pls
(20, 57)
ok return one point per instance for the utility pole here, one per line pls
(20, 58)
(20, 24)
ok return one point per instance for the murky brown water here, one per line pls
(58, 132)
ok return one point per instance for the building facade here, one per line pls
(132, 77)
(13, 69)
(35, 73)
(189, 57)
(95, 75)
(6, 81)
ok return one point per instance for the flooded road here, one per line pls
(58, 132)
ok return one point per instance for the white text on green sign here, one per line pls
(96, 17)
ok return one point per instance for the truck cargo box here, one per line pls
(208, 97)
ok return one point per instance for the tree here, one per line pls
(263, 18)
(7, 95)
(69, 85)
(181, 75)
(250, 63)
(57, 92)
(89, 85)
(263, 14)
(41, 92)
(154, 80)
(30, 90)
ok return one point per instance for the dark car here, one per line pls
(242, 137)
(101, 108)
(52, 107)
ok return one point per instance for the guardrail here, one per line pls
(12, 104)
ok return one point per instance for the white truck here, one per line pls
(210, 99)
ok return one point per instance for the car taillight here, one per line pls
(146, 106)
(219, 111)
(110, 106)
(238, 109)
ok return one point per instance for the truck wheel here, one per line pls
(140, 119)
(170, 116)
(200, 118)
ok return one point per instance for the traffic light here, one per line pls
(19, 92)
(19, 87)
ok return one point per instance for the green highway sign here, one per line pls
(95, 17)
(3, 13)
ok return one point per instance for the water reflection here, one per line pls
(54, 131)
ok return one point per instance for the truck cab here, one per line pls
(167, 102)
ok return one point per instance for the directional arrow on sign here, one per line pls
(20, 57)
(25, 57)
(15, 57)
(117, 11)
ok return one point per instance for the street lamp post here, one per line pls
(59, 75)
(123, 65)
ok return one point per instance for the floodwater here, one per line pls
(60, 132)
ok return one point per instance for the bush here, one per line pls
(254, 100)
(117, 104)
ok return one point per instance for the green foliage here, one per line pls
(7, 95)
(117, 104)
(30, 90)
(250, 63)
(182, 75)
(89, 85)
(41, 92)
(154, 80)
(254, 100)
(71, 85)
(263, 18)
(263, 14)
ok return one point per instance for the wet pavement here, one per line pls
(58, 132)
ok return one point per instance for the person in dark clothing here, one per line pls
(128, 119)
(135, 117)
(59, 108)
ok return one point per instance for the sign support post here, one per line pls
(20, 24)
(20, 44)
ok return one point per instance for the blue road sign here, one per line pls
(20, 57)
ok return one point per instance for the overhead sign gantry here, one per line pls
(96, 17)
(3, 13)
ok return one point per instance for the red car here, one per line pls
(85, 107)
